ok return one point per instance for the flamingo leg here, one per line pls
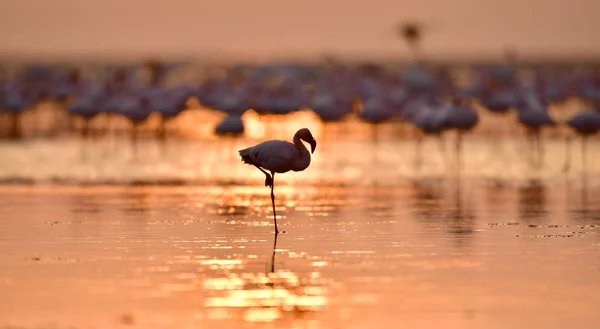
(269, 179)
(567, 164)
(417, 164)
(15, 125)
(86, 140)
(374, 134)
(584, 142)
(527, 150)
(108, 125)
(375, 142)
(458, 148)
(443, 152)
(540, 150)
(72, 123)
(273, 255)
(87, 127)
(161, 131)
(533, 156)
(532, 149)
(273, 202)
(134, 140)
(162, 134)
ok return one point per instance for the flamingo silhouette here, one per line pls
(279, 156)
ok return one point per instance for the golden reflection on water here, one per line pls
(263, 297)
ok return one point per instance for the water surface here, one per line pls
(424, 254)
(102, 234)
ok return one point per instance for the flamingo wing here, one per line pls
(275, 155)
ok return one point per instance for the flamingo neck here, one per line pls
(303, 160)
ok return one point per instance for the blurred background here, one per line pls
(184, 84)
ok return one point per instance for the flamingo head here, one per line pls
(305, 135)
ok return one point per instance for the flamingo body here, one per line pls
(231, 125)
(501, 101)
(281, 156)
(84, 106)
(535, 119)
(330, 108)
(462, 117)
(585, 123)
(375, 111)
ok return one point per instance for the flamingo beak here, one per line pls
(313, 146)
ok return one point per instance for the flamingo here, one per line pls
(500, 86)
(460, 116)
(533, 115)
(279, 156)
(585, 124)
(417, 79)
(427, 113)
(17, 98)
(329, 106)
(65, 85)
(231, 125)
(412, 34)
(168, 102)
(332, 103)
(552, 85)
(84, 107)
(375, 110)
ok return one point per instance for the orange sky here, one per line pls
(264, 28)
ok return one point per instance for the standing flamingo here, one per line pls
(585, 124)
(412, 33)
(460, 116)
(231, 125)
(279, 156)
(533, 115)
(427, 112)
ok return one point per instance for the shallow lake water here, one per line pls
(182, 237)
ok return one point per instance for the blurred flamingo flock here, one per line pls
(161, 100)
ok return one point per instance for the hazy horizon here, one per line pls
(266, 28)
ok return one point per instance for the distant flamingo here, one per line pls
(169, 103)
(230, 128)
(412, 32)
(552, 85)
(86, 108)
(462, 117)
(533, 114)
(375, 110)
(585, 124)
(279, 156)
(231, 125)
(65, 86)
(417, 79)
(427, 113)
(330, 107)
(17, 98)
(332, 104)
